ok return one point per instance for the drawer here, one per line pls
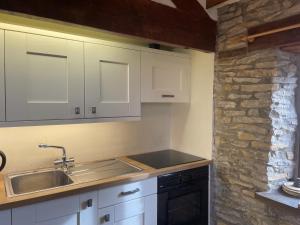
(129, 209)
(126, 192)
(57, 208)
(137, 220)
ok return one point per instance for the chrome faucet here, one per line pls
(64, 163)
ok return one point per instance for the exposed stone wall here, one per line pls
(255, 118)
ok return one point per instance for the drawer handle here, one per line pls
(168, 96)
(105, 219)
(124, 193)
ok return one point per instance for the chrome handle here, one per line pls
(124, 193)
(105, 218)
(70, 160)
(58, 162)
(168, 96)
(77, 110)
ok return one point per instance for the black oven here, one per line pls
(183, 198)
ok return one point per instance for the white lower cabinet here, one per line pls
(64, 211)
(89, 208)
(141, 211)
(128, 204)
(5, 217)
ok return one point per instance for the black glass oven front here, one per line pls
(183, 198)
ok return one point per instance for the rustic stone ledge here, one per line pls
(279, 197)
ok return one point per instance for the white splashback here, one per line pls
(87, 142)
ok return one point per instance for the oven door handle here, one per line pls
(125, 193)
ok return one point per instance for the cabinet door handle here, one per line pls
(94, 110)
(89, 203)
(168, 96)
(105, 219)
(124, 193)
(77, 110)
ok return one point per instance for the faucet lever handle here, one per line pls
(70, 160)
(58, 162)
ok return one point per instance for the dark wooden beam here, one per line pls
(188, 25)
(279, 39)
(212, 3)
(294, 48)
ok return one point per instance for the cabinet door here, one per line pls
(151, 210)
(66, 220)
(112, 81)
(2, 89)
(165, 78)
(140, 211)
(5, 217)
(44, 77)
(135, 220)
(89, 208)
(64, 211)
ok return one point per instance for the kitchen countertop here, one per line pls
(12, 202)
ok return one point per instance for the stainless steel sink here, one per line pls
(99, 170)
(37, 181)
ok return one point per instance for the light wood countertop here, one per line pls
(12, 202)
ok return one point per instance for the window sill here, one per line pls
(279, 196)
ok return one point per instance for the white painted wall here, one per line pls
(191, 129)
(87, 142)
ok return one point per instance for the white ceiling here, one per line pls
(166, 2)
(211, 12)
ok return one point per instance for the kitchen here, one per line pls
(136, 119)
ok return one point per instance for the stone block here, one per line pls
(259, 87)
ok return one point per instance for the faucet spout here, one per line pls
(64, 162)
(54, 146)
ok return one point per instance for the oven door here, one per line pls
(187, 205)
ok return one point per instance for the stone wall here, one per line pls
(255, 118)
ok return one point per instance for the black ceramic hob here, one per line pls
(165, 158)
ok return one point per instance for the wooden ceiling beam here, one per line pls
(294, 48)
(141, 18)
(282, 37)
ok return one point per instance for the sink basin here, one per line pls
(37, 181)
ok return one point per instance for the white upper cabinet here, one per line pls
(2, 80)
(112, 85)
(165, 77)
(44, 77)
